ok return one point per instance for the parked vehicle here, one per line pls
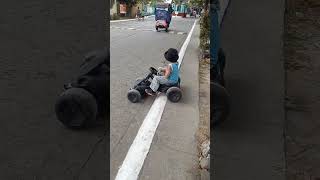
(163, 15)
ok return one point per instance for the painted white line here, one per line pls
(131, 28)
(124, 20)
(185, 44)
(132, 164)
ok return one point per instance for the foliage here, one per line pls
(115, 16)
(205, 31)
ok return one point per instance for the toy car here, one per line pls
(86, 97)
(173, 91)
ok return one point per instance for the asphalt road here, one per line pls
(42, 46)
(250, 144)
(135, 46)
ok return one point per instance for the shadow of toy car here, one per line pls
(86, 98)
(172, 91)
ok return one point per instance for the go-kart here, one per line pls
(85, 98)
(135, 94)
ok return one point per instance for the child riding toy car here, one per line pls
(165, 80)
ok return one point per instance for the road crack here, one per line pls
(93, 149)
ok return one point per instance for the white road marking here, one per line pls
(132, 164)
(131, 28)
(124, 20)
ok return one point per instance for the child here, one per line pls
(171, 72)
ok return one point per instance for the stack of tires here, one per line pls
(86, 98)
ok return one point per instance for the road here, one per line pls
(43, 44)
(250, 144)
(135, 46)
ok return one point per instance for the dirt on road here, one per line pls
(302, 55)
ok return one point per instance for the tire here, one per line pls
(134, 96)
(167, 30)
(174, 94)
(76, 108)
(220, 104)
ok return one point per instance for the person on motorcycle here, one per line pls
(170, 72)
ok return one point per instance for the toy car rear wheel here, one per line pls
(76, 108)
(220, 105)
(174, 94)
(167, 30)
(157, 29)
(134, 96)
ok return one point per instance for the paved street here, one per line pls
(134, 48)
(250, 144)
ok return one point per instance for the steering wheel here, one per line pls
(153, 70)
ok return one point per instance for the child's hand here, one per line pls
(160, 69)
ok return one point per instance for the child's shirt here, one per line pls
(174, 75)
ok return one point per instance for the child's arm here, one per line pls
(167, 72)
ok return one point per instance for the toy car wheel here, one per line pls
(174, 94)
(76, 107)
(134, 96)
(167, 30)
(220, 105)
(157, 29)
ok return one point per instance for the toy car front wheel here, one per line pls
(174, 94)
(167, 30)
(134, 96)
(157, 29)
(76, 107)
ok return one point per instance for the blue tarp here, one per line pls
(163, 15)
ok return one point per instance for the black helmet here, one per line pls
(171, 55)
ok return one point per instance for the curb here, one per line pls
(205, 172)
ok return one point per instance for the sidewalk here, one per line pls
(173, 154)
(249, 145)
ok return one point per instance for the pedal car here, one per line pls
(85, 98)
(135, 94)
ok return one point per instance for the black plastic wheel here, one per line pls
(157, 29)
(134, 96)
(174, 94)
(76, 108)
(167, 30)
(220, 105)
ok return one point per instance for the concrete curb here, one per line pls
(204, 172)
